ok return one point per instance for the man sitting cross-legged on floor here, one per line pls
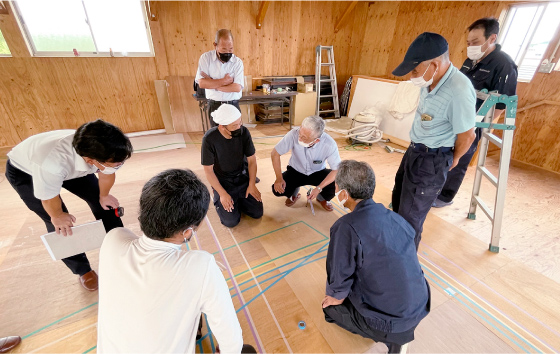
(375, 286)
(311, 149)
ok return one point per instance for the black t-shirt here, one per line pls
(227, 155)
(496, 72)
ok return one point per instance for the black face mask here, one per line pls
(235, 133)
(225, 57)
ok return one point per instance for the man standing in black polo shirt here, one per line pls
(234, 183)
(488, 68)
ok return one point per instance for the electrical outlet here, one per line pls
(547, 68)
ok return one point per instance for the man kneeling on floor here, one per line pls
(224, 149)
(151, 292)
(311, 149)
(375, 286)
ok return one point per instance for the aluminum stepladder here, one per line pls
(332, 80)
(505, 143)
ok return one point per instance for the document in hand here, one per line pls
(84, 238)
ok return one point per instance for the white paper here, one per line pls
(84, 238)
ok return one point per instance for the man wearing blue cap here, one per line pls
(442, 131)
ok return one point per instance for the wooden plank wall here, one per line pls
(38, 94)
(41, 94)
(536, 137)
(285, 45)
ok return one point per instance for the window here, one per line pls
(85, 27)
(4, 50)
(526, 34)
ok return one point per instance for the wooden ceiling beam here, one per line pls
(345, 16)
(262, 13)
(3, 8)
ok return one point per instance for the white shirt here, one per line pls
(313, 159)
(213, 67)
(151, 295)
(50, 159)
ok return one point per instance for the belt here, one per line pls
(225, 102)
(423, 148)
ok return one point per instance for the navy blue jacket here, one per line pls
(372, 260)
(496, 72)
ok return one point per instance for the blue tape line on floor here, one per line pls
(282, 277)
(277, 275)
(57, 321)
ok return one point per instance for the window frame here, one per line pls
(70, 54)
(6, 55)
(528, 39)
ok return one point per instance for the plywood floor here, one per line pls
(482, 302)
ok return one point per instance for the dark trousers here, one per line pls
(457, 174)
(214, 105)
(295, 179)
(86, 188)
(418, 182)
(346, 316)
(237, 188)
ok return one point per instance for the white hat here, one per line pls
(226, 114)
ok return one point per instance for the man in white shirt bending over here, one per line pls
(220, 73)
(152, 292)
(41, 165)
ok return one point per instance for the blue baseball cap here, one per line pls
(426, 46)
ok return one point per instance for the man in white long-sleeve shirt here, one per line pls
(152, 292)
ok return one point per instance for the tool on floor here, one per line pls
(505, 143)
(391, 149)
(388, 148)
(310, 202)
(332, 80)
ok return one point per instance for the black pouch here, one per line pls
(200, 92)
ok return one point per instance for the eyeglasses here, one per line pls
(115, 167)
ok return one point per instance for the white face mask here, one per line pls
(306, 145)
(341, 202)
(107, 170)
(474, 52)
(420, 82)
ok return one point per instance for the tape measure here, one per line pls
(119, 212)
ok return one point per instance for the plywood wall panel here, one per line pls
(38, 94)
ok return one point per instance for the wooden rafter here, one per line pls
(345, 16)
(3, 8)
(262, 13)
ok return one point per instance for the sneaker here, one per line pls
(440, 203)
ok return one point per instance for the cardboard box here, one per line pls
(304, 106)
(305, 87)
(302, 86)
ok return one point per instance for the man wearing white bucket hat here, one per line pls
(224, 149)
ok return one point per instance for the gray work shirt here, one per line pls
(313, 159)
